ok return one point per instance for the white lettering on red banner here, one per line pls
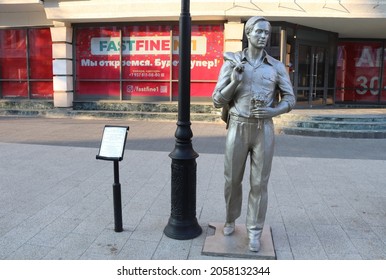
(144, 45)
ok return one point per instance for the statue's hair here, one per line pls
(252, 22)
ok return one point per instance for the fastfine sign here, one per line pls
(144, 45)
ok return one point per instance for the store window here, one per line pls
(26, 63)
(140, 62)
(383, 86)
(358, 76)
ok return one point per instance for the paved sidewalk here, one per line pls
(327, 196)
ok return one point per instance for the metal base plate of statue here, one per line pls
(236, 245)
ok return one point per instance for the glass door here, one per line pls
(318, 75)
(311, 75)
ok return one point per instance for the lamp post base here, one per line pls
(183, 223)
(182, 229)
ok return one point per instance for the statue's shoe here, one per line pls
(254, 245)
(229, 228)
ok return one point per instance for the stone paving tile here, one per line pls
(60, 206)
(284, 255)
(72, 247)
(8, 246)
(10, 220)
(30, 252)
(381, 232)
(171, 249)
(320, 214)
(335, 240)
(137, 250)
(195, 254)
(344, 256)
(280, 239)
(47, 238)
(150, 228)
(370, 249)
(65, 225)
(307, 247)
(107, 245)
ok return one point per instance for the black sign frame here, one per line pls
(113, 143)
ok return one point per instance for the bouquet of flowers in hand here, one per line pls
(259, 101)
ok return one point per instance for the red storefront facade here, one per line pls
(26, 63)
(139, 62)
(361, 72)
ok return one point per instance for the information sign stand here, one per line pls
(112, 148)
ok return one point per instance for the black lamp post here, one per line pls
(182, 223)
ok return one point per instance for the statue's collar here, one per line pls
(266, 57)
(240, 57)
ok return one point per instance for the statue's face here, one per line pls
(259, 35)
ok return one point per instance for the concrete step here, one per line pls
(342, 125)
(140, 115)
(354, 118)
(18, 104)
(323, 123)
(104, 109)
(93, 114)
(345, 126)
(369, 134)
(143, 110)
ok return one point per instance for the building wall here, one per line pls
(22, 14)
(204, 9)
(346, 17)
(354, 19)
(129, 61)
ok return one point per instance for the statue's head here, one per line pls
(252, 22)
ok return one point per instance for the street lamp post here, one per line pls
(182, 222)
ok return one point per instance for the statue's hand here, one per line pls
(237, 74)
(264, 112)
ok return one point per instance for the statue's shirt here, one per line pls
(258, 86)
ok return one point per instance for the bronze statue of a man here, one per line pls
(248, 84)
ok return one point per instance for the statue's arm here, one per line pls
(223, 93)
(227, 82)
(287, 96)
